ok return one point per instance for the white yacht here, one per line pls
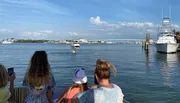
(166, 42)
(75, 45)
(6, 42)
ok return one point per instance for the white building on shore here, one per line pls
(82, 40)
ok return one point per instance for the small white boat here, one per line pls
(75, 45)
(6, 42)
(166, 42)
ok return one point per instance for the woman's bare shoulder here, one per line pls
(93, 86)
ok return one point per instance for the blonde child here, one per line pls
(4, 92)
(79, 85)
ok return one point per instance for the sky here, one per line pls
(90, 19)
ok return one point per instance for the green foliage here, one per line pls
(177, 33)
(30, 41)
(71, 41)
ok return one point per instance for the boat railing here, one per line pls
(125, 101)
(20, 94)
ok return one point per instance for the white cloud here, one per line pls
(5, 31)
(46, 31)
(77, 34)
(124, 29)
(137, 24)
(74, 33)
(127, 30)
(97, 21)
(176, 26)
(42, 34)
(32, 34)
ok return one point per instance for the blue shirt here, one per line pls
(102, 95)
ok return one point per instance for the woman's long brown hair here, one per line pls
(38, 72)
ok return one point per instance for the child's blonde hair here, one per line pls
(3, 76)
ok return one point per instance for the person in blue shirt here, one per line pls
(105, 91)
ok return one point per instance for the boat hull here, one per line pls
(75, 45)
(166, 47)
(6, 42)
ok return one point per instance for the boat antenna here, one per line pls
(162, 13)
(169, 11)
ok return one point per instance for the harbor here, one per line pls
(80, 41)
(89, 51)
(150, 75)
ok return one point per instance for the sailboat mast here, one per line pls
(170, 11)
(162, 14)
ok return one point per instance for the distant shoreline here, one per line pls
(80, 41)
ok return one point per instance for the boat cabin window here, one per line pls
(166, 33)
(169, 35)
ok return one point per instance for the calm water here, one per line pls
(144, 78)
